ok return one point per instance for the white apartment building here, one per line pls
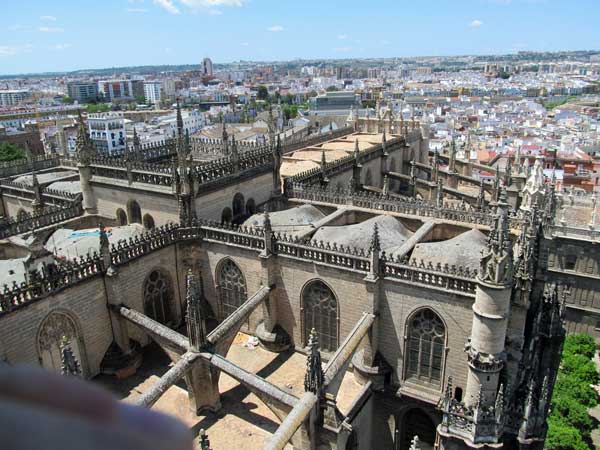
(9, 97)
(107, 132)
(152, 91)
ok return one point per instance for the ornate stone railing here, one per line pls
(49, 216)
(401, 205)
(54, 280)
(455, 279)
(20, 166)
(591, 234)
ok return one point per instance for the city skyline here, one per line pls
(36, 37)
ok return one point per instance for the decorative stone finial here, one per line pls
(196, 325)
(203, 441)
(69, 364)
(313, 379)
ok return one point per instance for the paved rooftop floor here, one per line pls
(243, 421)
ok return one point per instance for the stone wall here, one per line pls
(162, 207)
(398, 303)
(84, 302)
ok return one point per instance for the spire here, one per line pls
(104, 246)
(313, 379)
(481, 195)
(452, 162)
(179, 120)
(69, 364)
(496, 262)
(83, 146)
(534, 190)
(499, 405)
(386, 186)
(384, 142)
(440, 194)
(356, 150)
(196, 326)
(375, 246)
(413, 179)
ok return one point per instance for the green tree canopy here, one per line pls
(10, 152)
(579, 344)
(262, 93)
(562, 436)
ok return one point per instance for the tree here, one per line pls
(580, 344)
(581, 367)
(140, 99)
(331, 89)
(67, 100)
(10, 152)
(262, 93)
(561, 436)
(573, 413)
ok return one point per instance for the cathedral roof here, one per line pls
(392, 233)
(462, 250)
(288, 221)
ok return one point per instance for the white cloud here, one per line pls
(342, 37)
(342, 49)
(214, 12)
(60, 47)
(211, 3)
(6, 50)
(167, 5)
(135, 1)
(275, 28)
(51, 30)
(475, 23)
(137, 10)
(48, 18)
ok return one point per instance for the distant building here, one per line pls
(152, 91)
(82, 92)
(169, 87)
(207, 67)
(334, 101)
(13, 96)
(121, 89)
(107, 132)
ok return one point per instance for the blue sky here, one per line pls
(57, 35)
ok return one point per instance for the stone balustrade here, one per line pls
(48, 216)
(459, 280)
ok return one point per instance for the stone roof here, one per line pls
(462, 250)
(71, 243)
(46, 177)
(392, 233)
(74, 187)
(289, 221)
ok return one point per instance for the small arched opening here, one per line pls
(121, 217)
(148, 222)
(135, 212)
(238, 207)
(226, 216)
(250, 207)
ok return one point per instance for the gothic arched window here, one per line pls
(250, 207)
(158, 294)
(135, 212)
(54, 328)
(425, 348)
(321, 313)
(231, 286)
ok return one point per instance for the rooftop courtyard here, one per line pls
(243, 421)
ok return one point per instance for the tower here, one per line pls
(84, 152)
